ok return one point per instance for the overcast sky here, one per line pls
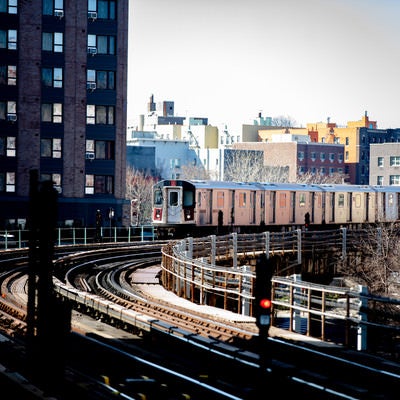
(230, 59)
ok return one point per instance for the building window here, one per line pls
(8, 75)
(52, 113)
(347, 155)
(313, 156)
(100, 79)
(53, 7)
(52, 77)
(8, 146)
(379, 180)
(300, 155)
(103, 44)
(380, 161)
(9, 6)
(104, 9)
(100, 149)
(51, 148)
(394, 161)
(8, 111)
(336, 140)
(55, 178)
(394, 180)
(347, 141)
(7, 182)
(8, 39)
(102, 115)
(331, 157)
(99, 184)
(322, 171)
(322, 156)
(52, 41)
(340, 158)
(331, 171)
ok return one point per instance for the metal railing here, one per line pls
(11, 239)
(220, 271)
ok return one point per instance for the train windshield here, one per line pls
(158, 197)
(188, 198)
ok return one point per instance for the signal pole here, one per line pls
(48, 317)
(263, 304)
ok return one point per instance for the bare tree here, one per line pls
(244, 165)
(284, 121)
(309, 177)
(378, 266)
(139, 189)
(191, 171)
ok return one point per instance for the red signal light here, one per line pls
(265, 303)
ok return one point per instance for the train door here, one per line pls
(292, 215)
(262, 208)
(209, 206)
(233, 207)
(272, 207)
(383, 207)
(332, 205)
(253, 207)
(366, 207)
(174, 196)
(349, 207)
(312, 206)
(398, 205)
(323, 208)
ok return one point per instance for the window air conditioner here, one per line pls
(92, 50)
(59, 13)
(91, 85)
(12, 117)
(89, 156)
(92, 15)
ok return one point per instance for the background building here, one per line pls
(63, 73)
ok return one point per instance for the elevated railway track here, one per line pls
(92, 276)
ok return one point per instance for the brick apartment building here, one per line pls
(63, 73)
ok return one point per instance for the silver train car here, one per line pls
(197, 208)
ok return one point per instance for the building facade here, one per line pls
(385, 164)
(63, 93)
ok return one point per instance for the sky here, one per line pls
(229, 60)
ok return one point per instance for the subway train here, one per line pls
(197, 208)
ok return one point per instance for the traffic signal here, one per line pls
(262, 293)
(307, 220)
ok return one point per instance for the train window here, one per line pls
(282, 200)
(220, 199)
(341, 200)
(173, 198)
(302, 199)
(390, 200)
(199, 199)
(242, 199)
(358, 200)
(188, 198)
(158, 197)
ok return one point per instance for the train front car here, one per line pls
(173, 208)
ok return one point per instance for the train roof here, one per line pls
(209, 184)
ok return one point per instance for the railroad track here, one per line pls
(290, 365)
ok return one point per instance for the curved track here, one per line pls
(235, 367)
